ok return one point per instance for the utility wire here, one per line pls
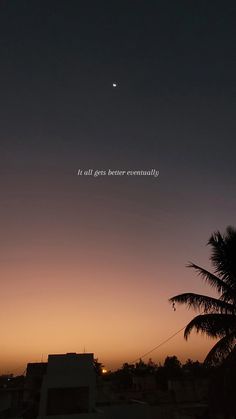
(160, 344)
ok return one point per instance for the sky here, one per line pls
(89, 263)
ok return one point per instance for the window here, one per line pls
(70, 400)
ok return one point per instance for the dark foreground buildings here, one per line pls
(68, 387)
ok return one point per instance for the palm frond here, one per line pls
(213, 325)
(221, 349)
(224, 255)
(203, 303)
(211, 279)
(217, 318)
(229, 297)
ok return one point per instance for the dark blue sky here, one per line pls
(173, 110)
(175, 64)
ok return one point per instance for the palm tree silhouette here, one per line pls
(218, 315)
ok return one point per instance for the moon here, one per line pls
(114, 84)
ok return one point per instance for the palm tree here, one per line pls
(217, 318)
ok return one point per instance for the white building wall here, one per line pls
(68, 371)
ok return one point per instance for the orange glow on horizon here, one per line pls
(118, 321)
(101, 281)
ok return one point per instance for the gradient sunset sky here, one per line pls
(90, 263)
